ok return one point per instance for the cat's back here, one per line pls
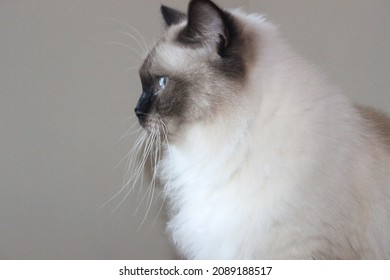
(378, 123)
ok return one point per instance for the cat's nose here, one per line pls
(143, 105)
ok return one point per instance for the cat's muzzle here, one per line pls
(143, 108)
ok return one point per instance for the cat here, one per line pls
(261, 158)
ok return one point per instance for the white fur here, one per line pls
(292, 174)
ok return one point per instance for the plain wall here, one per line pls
(68, 86)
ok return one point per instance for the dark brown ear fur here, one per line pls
(206, 24)
(172, 16)
(210, 26)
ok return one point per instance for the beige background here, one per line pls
(65, 99)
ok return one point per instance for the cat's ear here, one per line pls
(172, 16)
(206, 24)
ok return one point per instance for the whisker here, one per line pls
(148, 146)
(147, 48)
(116, 43)
(130, 158)
(164, 131)
(137, 145)
(137, 173)
(144, 46)
(146, 153)
(128, 132)
(130, 69)
(149, 149)
(150, 193)
(130, 117)
(155, 157)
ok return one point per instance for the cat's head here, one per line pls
(197, 71)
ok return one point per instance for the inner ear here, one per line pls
(206, 25)
(222, 44)
(172, 16)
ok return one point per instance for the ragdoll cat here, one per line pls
(261, 157)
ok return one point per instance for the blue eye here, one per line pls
(162, 82)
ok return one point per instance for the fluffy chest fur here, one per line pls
(208, 205)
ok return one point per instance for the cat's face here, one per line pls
(196, 70)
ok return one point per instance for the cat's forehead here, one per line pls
(170, 56)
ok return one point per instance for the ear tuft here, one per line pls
(172, 16)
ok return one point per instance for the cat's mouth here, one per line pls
(142, 119)
(146, 122)
(151, 123)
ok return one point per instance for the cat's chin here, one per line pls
(144, 123)
(152, 125)
(147, 126)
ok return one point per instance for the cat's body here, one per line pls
(265, 161)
